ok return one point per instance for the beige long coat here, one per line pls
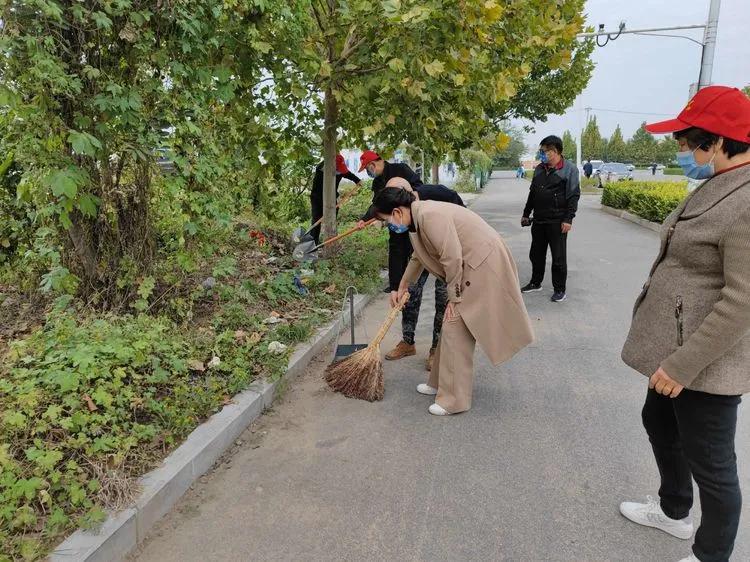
(457, 245)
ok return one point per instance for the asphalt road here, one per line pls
(534, 472)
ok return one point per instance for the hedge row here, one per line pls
(653, 201)
(673, 172)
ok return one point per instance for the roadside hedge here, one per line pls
(673, 172)
(653, 201)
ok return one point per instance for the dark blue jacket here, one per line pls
(554, 194)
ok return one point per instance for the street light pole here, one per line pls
(709, 44)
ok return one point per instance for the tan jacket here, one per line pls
(456, 245)
(693, 315)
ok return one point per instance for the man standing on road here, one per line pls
(588, 168)
(653, 169)
(316, 195)
(553, 199)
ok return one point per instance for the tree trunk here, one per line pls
(329, 168)
(436, 172)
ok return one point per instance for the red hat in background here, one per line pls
(367, 157)
(719, 110)
(341, 165)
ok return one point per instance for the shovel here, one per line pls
(307, 250)
(299, 235)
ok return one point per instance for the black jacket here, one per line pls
(399, 245)
(554, 194)
(317, 187)
(398, 170)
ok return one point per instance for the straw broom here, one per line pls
(361, 374)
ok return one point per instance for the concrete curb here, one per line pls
(655, 226)
(161, 488)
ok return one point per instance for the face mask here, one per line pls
(687, 162)
(542, 157)
(397, 228)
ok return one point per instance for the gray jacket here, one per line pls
(693, 315)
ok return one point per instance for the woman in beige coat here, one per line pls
(484, 299)
(691, 329)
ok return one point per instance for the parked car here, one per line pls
(613, 171)
(595, 165)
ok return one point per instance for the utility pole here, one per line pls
(709, 44)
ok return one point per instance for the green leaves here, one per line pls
(435, 68)
(84, 143)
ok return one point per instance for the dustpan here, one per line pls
(343, 350)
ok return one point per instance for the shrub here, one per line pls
(673, 172)
(653, 201)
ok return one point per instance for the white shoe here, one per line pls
(437, 410)
(691, 558)
(651, 515)
(426, 389)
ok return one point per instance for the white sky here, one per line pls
(653, 74)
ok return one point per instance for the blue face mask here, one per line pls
(687, 162)
(397, 228)
(542, 157)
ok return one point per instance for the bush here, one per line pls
(653, 201)
(673, 172)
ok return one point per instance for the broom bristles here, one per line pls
(358, 376)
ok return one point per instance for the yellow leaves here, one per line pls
(504, 88)
(390, 120)
(560, 60)
(417, 14)
(435, 68)
(492, 11)
(459, 79)
(373, 129)
(502, 141)
(396, 65)
(325, 69)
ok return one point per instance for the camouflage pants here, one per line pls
(410, 315)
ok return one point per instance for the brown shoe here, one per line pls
(428, 363)
(402, 350)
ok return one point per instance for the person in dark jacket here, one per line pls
(381, 171)
(588, 168)
(399, 254)
(316, 195)
(553, 199)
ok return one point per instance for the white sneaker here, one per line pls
(437, 410)
(691, 558)
(651, 515)
(426, 389)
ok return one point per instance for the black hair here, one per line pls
(700, 138)
(552, 142)
(388, 199)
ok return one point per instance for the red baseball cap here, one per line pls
(341, 165)
(720, 110)
(367, 157)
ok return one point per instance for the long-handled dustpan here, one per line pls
(343, 350)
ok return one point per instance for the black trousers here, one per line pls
(693, 435)
(410, 315)
(550, 235)
(316, 205)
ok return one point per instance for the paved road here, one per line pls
(534, 472)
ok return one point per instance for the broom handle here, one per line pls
(347, 233)
(389, 320)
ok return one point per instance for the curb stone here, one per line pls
(161, 488)
(655, 226)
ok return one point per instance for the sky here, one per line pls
(652, 75)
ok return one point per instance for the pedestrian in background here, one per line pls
(690, 332)
(520, 172)
(588, 168)
(553, 200)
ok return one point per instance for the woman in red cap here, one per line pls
(316, 195)
(690, 332)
